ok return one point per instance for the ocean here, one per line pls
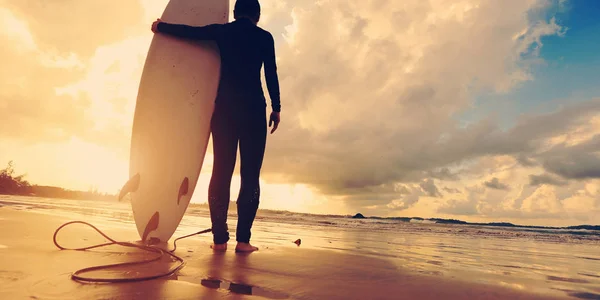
(533, 259)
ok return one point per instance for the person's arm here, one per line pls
(208, 32)
(271, 74)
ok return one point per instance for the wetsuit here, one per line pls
(239, 116)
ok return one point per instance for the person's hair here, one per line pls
(247, 8)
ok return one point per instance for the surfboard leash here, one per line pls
(160, 253)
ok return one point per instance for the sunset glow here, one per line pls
(472, 110)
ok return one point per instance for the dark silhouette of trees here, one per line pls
(11, 184)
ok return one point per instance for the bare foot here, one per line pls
(245, 247)
(219, 247)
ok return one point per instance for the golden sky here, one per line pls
(370, 93)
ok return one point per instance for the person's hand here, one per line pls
(274, 120)
(154, 27)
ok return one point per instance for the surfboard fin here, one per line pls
(130, 186)
(151, 226)
(183, 189)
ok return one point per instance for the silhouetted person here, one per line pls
(239, 114)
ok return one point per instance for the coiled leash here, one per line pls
(160, 253)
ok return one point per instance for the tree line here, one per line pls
(12, 184)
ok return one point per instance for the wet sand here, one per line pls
(31, 267)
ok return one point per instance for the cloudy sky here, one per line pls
(469, 109)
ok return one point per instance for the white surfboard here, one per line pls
(171, 126)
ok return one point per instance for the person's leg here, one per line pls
(252, 147)
(225, 140)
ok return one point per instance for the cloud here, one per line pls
(468, 205)
(28, 100)
(42, 55)
(370, 100)
(411, 194)
(543, 202)
(495, 183)
(49, 48)
(574, 162)
(443, 174)
(531, 198)
(525, 161)
(404, 201)
(460, 208)
(428, 186)
(451, 190)
(72, 26)
(546, 179)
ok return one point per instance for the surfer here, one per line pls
(239, 114)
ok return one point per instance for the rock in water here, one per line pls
(358, 216)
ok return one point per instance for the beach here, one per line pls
(324, 266)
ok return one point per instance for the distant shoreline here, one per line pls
(460, 222)
(60, 193)
(16, 186)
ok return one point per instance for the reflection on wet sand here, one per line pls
(240, 288)
(222, 265)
